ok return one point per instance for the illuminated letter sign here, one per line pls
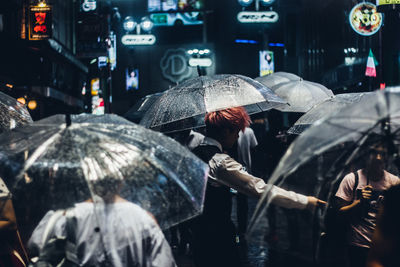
(138, 39)
(364, 19)
(39, 22)
(257, 17)
(201, 62)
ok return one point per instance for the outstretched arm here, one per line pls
(231, 173)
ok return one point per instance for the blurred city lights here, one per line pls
(21, 100)
(245, 2)
(32, 104)
(129, 24)
(245, 41)
(146, 24)
(198, 51)
(266, 2)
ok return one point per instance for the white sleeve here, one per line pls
(231, 173)
(161, 253)
(253, 139)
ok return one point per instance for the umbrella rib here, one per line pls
(38, 152)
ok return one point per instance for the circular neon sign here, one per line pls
(364, 19)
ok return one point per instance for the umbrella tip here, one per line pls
(68, 119)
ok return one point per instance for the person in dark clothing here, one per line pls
(214, 232)
(386, 238)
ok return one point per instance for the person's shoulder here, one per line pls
(393, 179)
(350, 177)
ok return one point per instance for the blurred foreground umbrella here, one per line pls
(277, 78)
(317, 160)
(135, 113)
(60, 119)
(323, 109)
(12, 113)
(184, 106)
(301, 95)
(51, 166)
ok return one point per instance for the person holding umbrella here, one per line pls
(214, 232)
(361, 205)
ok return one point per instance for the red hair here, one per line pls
(231, 118)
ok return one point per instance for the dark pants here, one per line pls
(357, 256)
(242, 212)
(215, 246)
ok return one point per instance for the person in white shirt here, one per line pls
(214, 232)
(104, 231)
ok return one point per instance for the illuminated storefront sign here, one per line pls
(40, 19)
(138, 39)
(201, 62)
(387, 2)
(266, 62)
(257, 17)
(364, 19)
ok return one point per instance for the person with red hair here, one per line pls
(214, 242)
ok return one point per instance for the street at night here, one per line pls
(199, 133)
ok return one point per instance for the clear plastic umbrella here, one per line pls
(323, 109)
(136, 112)
(184, 106)
(12, 113)
(317, 160)
(48, 165)
(301, 95)
(84, 118)
(277, 78)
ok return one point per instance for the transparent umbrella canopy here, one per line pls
(12, 113)
(317, 160)
(184, 106)
(277, 78)
(52, 166)
(301, 95)
(136, 112)
(83, 118)
(323, 109)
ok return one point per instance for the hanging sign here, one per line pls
(40, 22)
(257, 17)
(138, 39)
(201, 62)
(364, 19)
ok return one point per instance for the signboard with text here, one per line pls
(386, 5)
(40, 22)
(387, 2)
(257, 17)
(267, 65)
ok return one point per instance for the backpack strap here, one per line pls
(355, 185)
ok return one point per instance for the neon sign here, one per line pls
(40, 19)
(364, 19)
(201, 62)
(257, 17)
(138, 39)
